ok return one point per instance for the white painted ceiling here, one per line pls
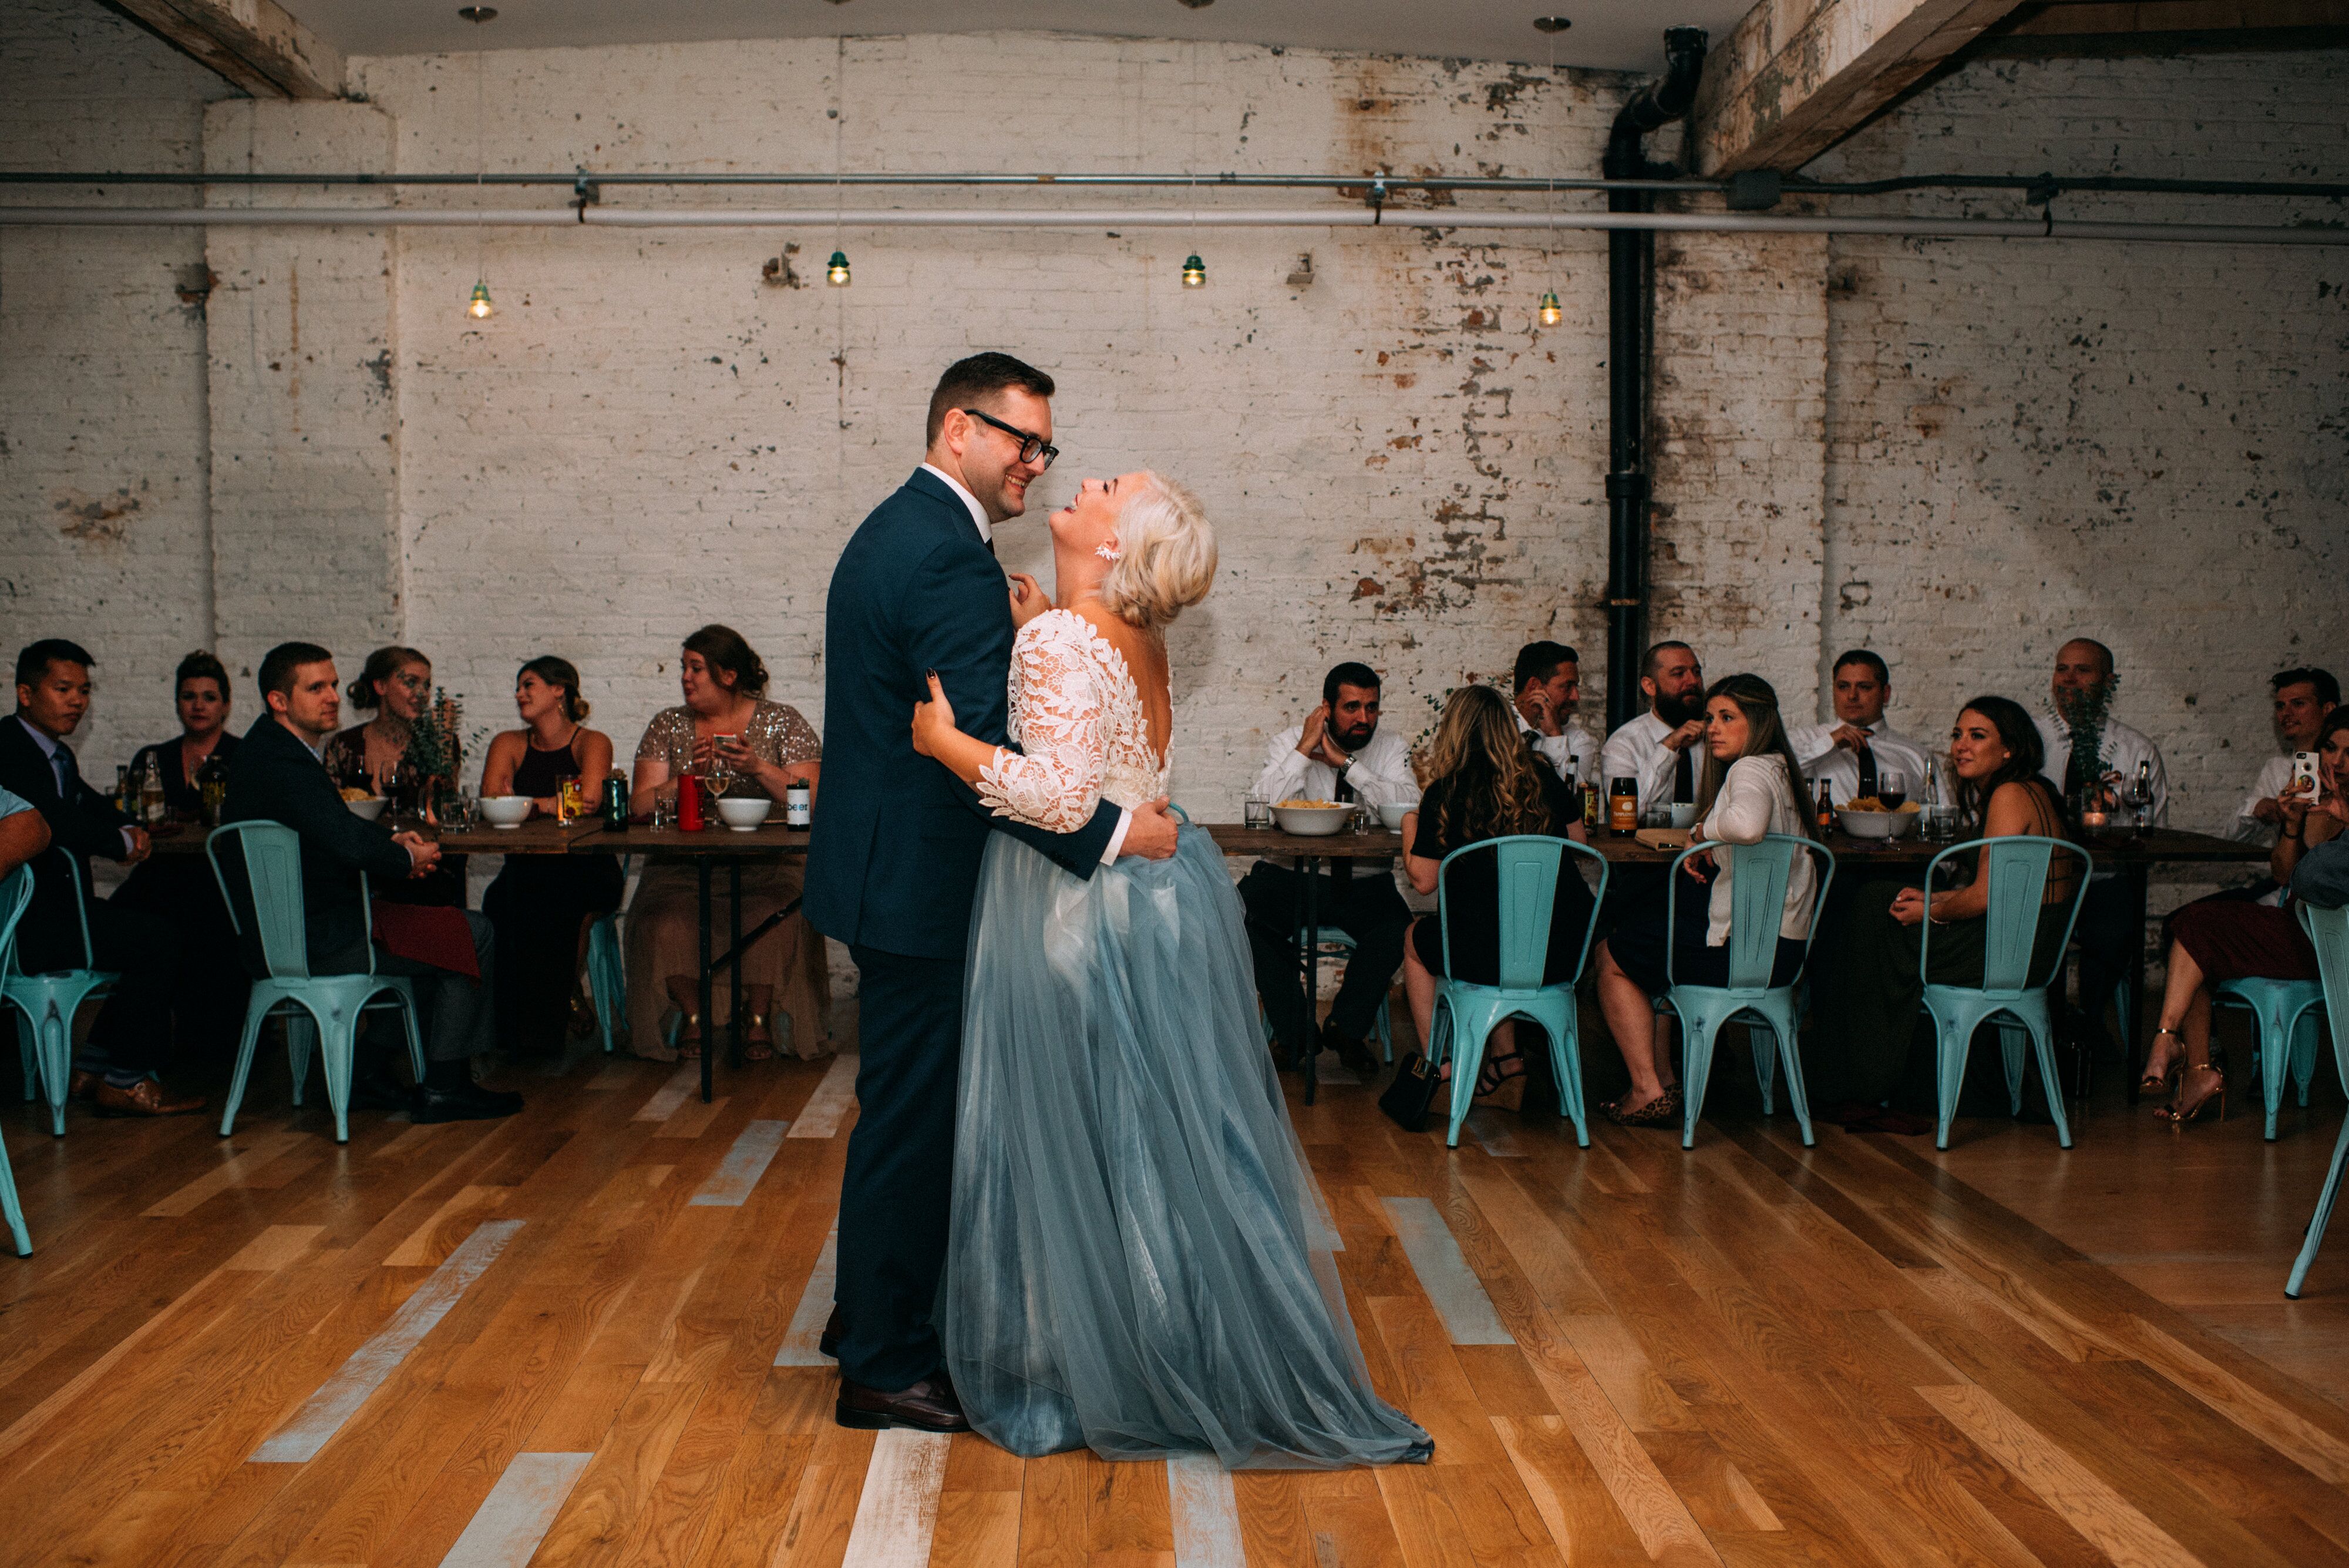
(1624, 35)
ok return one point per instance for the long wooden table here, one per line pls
(2132, 856)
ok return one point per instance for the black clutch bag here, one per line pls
(1406, 1099)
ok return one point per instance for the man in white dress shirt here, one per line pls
(1338, 754)
(1856, 753)
(2302, 699)
(1659, 748)
(2108, 922)
(1549, 685)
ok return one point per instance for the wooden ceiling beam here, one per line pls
(255, 44)
(1795, 76)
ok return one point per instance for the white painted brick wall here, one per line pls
(1403, 467)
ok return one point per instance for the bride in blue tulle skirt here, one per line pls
(1139, 1261)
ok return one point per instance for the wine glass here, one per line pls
(1892, 789)
(2139, 798)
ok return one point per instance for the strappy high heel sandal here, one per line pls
(757, 1044)
(2161, 1083)
(2179, 1113)
(1497, 1073)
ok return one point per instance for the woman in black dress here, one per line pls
(1484, 783)
(540, 904)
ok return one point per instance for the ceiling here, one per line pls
(1623, 35)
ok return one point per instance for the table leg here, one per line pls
(708, 1032)
(734, 969)
(1312, 928)
(2132, 1049)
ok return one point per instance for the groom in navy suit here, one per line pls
(893, 864)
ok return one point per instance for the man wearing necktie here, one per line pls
(1858, 752)
(131, 1036)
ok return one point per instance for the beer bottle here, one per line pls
(1827, 808)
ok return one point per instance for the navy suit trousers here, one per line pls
(900, 1172)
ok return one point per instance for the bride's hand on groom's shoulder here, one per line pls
(1028, 600)
(1150, 831)
(933, 720)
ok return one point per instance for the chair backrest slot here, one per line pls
(1759, 873)
(2018, 867)
(1526, 867)
(273, 871)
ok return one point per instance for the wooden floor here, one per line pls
(585, 1336)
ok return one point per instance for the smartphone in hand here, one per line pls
(2304, 775)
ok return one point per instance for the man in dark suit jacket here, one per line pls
(131, 1036)
(277, 776)
(893, 865)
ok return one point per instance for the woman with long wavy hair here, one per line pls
(1751, 786)
(1484, 783)
(1867, 1002)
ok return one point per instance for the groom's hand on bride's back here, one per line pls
(1150, 832)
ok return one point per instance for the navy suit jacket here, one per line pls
(86, 826)
(274, 777)
(893, 863)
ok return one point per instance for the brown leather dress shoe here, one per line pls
(82, 1084)
(144, 1098)
(835, 1329)
(929, 1405)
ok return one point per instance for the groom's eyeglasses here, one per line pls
(1031, 447)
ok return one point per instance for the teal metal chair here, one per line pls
(327, 1004)
(2017, 868)
(1528, 867)
(608, 972)
(46, 1006)
(1758, 898)
(2329, 930)
(15, 892)
(2284, 1015)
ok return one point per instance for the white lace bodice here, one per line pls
(1078, 717)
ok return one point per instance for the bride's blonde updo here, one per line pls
(1166, 554)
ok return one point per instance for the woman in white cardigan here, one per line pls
(1750, 789)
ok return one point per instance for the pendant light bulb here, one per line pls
(835, 271)
(1195, 272)
(479, 307)
(1552, 312)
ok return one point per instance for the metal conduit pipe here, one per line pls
(1631, 329)
(1147, 218)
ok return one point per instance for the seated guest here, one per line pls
(1657, 748)
(2082, 688)
(132, 1037)
(1549, 685)
(1855, 753)
(279, 775)
(1868, 1001)
(1338, 754)
(181, 889)
(1484, 785)
(378, 757)
(541, 904)
(725, 726)
(2216, 940)
(2302, 699)
(1751, 788)
(199, 692)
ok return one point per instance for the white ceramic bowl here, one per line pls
(369, 809)
(744, 812)
(1683, 813)
(505, 810)
(1878, 823)
(1393, 816)
(1311, 821)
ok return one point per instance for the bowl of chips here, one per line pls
(505, 811)
(1311, 818)
(1868, 818)
(364, 806)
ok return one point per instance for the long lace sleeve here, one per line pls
(1059, 715)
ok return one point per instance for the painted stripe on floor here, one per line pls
(800, 1346)
(339, 1397)
(506, 1531)
(820, 1117)
(739, 1171)
(1207, 1514)
(1459, 1296)
(671, 1095)
(898, 1512)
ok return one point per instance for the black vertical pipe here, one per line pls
(1631, 321)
